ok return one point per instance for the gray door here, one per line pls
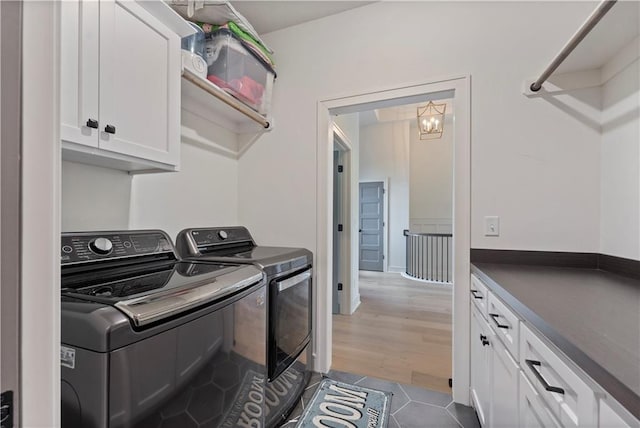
(371, 226)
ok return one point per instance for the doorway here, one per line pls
(459, 89)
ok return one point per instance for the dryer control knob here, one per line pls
(101, 246)
(223, 235)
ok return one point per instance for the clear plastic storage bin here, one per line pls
(237, 70)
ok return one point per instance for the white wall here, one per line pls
(431, 181)
(203, 193)
(94, 198)
(384, 154)
(533, 161)
(620, 165)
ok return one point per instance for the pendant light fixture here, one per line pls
(431, 120)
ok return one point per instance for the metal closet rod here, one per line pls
(588, 25)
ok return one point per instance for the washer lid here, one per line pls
(157, 306)
(150, 296)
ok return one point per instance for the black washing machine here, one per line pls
(289, 282)
(150, 341)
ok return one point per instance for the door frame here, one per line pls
(461, 86)
(349, 287)
(385, 219)
(10, 198)
(40, 232)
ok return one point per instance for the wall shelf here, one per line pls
(205, 99)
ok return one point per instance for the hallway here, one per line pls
(401, 332)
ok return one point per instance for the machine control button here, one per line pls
(126, 244)
(67, 249)
(101, 246)
(223, 235)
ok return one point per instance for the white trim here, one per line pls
(40, 270)
(385, 220)
(462, 220)
(348, 288)
(344, 141)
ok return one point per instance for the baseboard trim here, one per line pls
(355, 305)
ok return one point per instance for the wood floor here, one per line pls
(401, 332)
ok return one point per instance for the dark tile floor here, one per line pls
(411, 407)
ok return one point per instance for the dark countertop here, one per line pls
(591, 315)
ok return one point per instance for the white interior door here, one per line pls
(372, 226)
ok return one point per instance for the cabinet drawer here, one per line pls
(479, 295)
(504, 323)
(570, 400)
(533, 412)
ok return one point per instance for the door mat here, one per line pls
(339, 405)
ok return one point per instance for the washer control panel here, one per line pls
(94, 246)
(220, 235)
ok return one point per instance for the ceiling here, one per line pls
(268, 16)
(398, 113)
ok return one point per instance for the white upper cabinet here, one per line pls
(120, 87)
(79, 72)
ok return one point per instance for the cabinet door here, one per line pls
(504, 387)
(79, 72)
(480, 367)
(532, 410)
(140, 70)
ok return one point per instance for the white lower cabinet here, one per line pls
(480, 366)
(538, 387)
(533, 412)
(609, 418)
(567, 396)
(504, 387)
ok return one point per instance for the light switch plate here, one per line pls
(492, 226)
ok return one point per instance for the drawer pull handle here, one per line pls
(476, 296)
(536, 373)
(495, 317)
